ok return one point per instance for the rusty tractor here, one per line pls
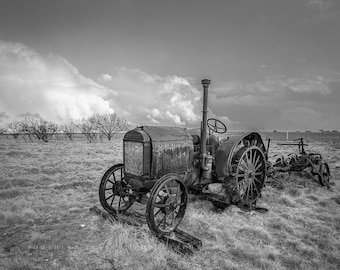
(161, 164)
(311, 162)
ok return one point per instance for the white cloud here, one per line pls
(153, 99)
(51, 87)
(175, 118)
(47, 85)
(105, 77)
(156, 113)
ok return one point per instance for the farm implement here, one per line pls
(311, 162)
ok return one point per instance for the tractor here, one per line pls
(163, 164)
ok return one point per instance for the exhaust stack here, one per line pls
(206, 160)
(205, 83)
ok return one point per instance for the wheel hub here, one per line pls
(172, 206)
(169, 207)
(249, 175)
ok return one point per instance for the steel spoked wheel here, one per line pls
(324, 174)
(113, 190)
(166, 206)
(250, 174)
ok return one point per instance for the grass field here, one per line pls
(46, 190)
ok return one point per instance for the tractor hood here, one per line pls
(153, 151)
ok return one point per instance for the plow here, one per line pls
(162, 165)
(309, 162)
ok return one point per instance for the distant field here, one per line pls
(46, 190)
(329, 137)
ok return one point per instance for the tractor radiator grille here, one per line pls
(134, 136)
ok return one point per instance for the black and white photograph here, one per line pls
(168, 134)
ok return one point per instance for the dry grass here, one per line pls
(46, 190)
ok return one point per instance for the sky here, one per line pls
(273, 64)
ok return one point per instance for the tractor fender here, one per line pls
(229, 147)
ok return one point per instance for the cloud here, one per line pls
(323, 10)
(145, 98)
(319, 5)
(51, 87)
(280, 102)
(104, 77)
(46, 85)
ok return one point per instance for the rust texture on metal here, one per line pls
(153, 151)
(171, 157)
(172, 150)
(167, 134)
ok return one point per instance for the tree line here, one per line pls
(106, 125)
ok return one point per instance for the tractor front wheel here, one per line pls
(114, 191)
(166, 206)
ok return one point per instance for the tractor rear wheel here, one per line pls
(166, 206)
(114, 191)
(250, 174)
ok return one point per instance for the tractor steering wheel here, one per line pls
(216, 126)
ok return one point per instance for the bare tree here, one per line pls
(14, 128)
(108, 124)
(2, 130)
(39, 128)
(86, 128)
(26, 127)
(69, 129)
